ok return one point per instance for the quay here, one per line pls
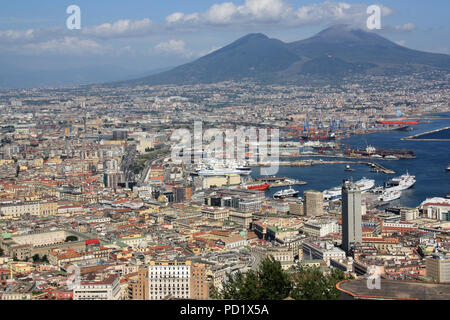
(414, 137)
(377, 166)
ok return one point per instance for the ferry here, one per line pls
(336, 193)
(390, 195)
(285, 193)
(403, 182)
(217, 171)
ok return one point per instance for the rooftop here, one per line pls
(395, 289)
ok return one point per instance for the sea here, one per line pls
(432, 158)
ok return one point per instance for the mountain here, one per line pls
(335, 52)
(253, 56)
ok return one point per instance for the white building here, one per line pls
(320, 228)
(322, 250)
(169, 278)
(107, 289)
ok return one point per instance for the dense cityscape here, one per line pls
(88, 183)
(217, 159)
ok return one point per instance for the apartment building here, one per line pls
(106, 289)
(176, 279)
(34, 208)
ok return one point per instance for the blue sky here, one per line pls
(141, 35)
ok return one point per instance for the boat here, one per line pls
(221, 171)
(448, 168)
(347, 168)
(285, 193)
(258, 186)
(403, 182)
(365, 184)
(336, 193)
(390, 195)
(332, 194)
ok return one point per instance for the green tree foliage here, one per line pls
(71, 238)
(271, 282)
(37, 258)
(311, 284)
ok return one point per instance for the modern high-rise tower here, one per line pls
(351, 215)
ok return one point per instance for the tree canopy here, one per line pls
(271, 282)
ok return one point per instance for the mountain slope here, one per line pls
(332, 53)
(253, 56)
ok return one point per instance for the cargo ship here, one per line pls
(398, 122)
(258, 186)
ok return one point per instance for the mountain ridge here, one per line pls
(335, 52)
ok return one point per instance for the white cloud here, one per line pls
(121, 28)
(405, 27)
(279, 12)
(67, 46)
(172, 46)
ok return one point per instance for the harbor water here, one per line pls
(432, 158)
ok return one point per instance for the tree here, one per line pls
(269, 282)
(309, 283)
(71, 238)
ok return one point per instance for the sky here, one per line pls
(142, 35)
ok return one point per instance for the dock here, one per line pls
(377, 166)
(414, 137)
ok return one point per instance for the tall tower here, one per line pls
(351, 215)
(313, 205)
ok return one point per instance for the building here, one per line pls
(106, 289)
(34, 208)
(169, 279)
(296, 208)
(120, 134)
(437, 208)
(438, 267)
(320, 228)
(351, 215)
(138, 288)
(241, 218)
(313, 205)
(199, 282)
(322, 250)
(215, 213)
(393, 290)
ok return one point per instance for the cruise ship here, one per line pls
(221, 171)
(403, 182)
(336, 193)
(285, 193)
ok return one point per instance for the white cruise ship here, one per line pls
(403, 182)
(221, 171)
(336, 193)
